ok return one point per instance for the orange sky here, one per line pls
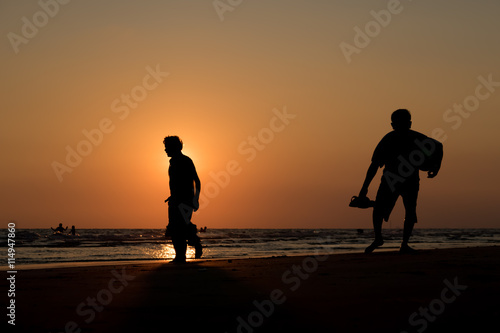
(279, 104)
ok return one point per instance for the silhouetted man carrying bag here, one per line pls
(183, 200)
(403, 152)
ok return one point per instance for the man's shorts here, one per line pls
(179, 221)
(387, 197)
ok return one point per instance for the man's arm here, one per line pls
(370, 174)
(197, 185)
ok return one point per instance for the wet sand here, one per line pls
(447, 290)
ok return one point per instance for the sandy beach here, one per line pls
(449, 290)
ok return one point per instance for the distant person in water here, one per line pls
(59, 228)
(403, 152)
(184, 197)
(72, 231)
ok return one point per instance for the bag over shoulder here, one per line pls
(432, 151)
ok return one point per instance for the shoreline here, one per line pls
(70, 264)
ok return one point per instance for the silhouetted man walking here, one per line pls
(403, 152)
(184, 197)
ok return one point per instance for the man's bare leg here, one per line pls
(377, 228)
(407, 231)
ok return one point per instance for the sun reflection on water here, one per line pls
(166, 251)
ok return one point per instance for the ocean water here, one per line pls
(41, 246)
